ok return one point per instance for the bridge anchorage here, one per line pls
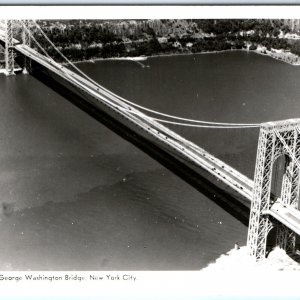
(274, 209)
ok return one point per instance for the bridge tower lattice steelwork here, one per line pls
(275, 139)
(9, 52)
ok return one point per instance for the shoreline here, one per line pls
(280, 55)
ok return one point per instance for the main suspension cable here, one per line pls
(189, 124)
(33, 38)
(205, 126)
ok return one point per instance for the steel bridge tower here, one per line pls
(9, 43)
(9, 52)
(276, 140)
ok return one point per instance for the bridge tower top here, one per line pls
(276, 179)
(289, 124)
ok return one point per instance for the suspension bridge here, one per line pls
(135, 122)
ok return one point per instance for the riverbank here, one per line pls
(238, 260)
(280, 54)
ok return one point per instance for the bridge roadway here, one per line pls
(185, 148)
(198, 156)
(287, 215)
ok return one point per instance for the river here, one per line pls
(75, 196)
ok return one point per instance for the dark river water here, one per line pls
(75, 196)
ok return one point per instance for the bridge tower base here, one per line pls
(276, 140)
(9, 52)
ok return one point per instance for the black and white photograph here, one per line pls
(149, 144)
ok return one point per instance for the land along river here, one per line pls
(75, 196)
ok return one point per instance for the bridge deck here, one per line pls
(186, 149)
(288, 216)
